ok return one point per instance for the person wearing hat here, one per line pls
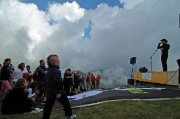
(164, 47)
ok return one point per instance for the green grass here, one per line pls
(167, 109)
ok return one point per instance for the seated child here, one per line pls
(33, 89)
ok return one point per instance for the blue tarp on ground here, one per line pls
(101, 95)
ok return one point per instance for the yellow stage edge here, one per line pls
(168, 78)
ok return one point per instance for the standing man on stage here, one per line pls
(164, 47)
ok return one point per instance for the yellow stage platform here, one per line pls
(169, 78)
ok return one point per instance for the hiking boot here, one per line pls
(71, 117)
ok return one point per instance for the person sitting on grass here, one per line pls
(16, 101)
(33, 89)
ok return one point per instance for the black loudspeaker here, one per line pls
(130, 81)
(133, 60)
(178, 61)
(143, 69)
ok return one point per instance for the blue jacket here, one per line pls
(53, 82)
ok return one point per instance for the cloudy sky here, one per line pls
(89, 35)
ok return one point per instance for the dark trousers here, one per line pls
(76, 83)
(82, 86)
(0, 85)
(164, 58)
(63, 100)
(41, 88)
(93, 85)
(67, 86)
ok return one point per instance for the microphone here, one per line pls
(159, 43)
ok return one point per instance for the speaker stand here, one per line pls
(132, 71)
(151, 59)
(179, 78)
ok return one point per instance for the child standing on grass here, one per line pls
(54, 89)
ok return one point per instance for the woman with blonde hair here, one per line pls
(16, 101)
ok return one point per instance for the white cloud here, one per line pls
(22, 22)
(130, 4)
(69, 11)
(27, 35)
